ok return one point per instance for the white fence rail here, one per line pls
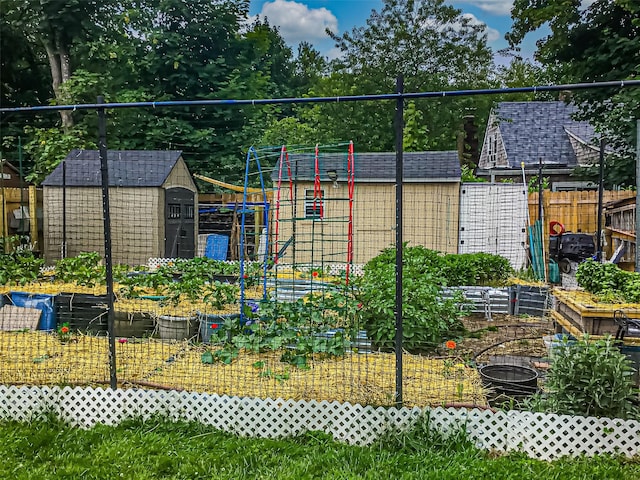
(543, 436)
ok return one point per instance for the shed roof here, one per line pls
(376, 167)
(127, 168)
(534, 130)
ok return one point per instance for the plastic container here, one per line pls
(83, 312)
(133, 324)
(216, 247)
(42, 302)
(553, 342)
(510, 380)
(176, 328)
(210, 323)
(633, 354)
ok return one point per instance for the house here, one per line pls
(312, 217)
(152, 201)
(10, 176)
(531, 132)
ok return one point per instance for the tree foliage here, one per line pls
(600, 42)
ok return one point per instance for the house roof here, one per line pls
(375, 167)
(534, 130)
(127, 168)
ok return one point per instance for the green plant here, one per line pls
(297, 328)
(468, 175)
(18, 262)
(591, 378)
(426, 436)
(64, 332)
(534, 184)
(608, 282)
(83, 269)
(428, 319)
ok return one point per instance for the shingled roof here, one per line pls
(376, 167)
(127, 168)
(534, 130)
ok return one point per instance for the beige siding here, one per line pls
(180, 177)
(137, 223)
(430, 219)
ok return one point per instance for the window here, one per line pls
(313, 206)
(492, 150)
(174, 210)
(189, 212)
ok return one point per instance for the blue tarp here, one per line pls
(42, 302)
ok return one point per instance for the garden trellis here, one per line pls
(234, 327)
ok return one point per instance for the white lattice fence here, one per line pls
(543, 436)
(330, 268)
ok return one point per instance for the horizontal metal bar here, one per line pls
(352, 98)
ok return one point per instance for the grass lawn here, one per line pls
(158, 449)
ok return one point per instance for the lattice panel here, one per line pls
(336, 269)
(543, 436)
(154, 263)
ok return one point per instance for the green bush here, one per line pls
(476, 269)
(608, 281)
(18, 264)
(591, 378)
(428, 319)
(83, 269)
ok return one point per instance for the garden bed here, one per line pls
(37, 358)
(580, 312)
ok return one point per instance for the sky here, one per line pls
(306, 20)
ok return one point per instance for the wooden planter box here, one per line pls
(579, 313)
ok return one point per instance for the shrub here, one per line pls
(476, 269)
(608, 282)
(18, 263)
(83, 269)
(427, 318)
(591, 378)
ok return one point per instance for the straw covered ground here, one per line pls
(38, 358)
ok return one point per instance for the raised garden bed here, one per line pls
(82, 312)
(579, 313)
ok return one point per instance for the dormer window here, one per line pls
(492, 150)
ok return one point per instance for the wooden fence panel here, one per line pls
(577, 211)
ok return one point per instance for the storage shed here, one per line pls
(318, 227)
(152, 199)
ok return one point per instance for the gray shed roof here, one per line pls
(376, 167)
(534, 130)
(127, 168)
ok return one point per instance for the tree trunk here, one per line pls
(60, 73)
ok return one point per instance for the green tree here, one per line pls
(433, 46)
(600, 42)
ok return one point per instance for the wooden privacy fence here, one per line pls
(577, 211)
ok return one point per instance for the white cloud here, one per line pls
(297, 22)
(503, 7)
(492, 33)
(496, 7)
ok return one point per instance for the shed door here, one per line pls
(180, 227)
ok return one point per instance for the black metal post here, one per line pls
(63, 250)
(600, 197)
(108, 260)
(399, 126)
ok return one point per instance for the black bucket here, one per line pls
(510, 380)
